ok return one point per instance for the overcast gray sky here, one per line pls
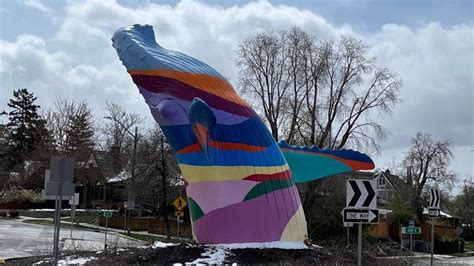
(62, 49)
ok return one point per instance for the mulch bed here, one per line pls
(183, 253)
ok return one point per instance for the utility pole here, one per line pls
(131, 191)
(131, 185)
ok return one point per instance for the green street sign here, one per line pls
(107, 214)
(411, 230)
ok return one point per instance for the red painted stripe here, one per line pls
(223, 146)
(266, 177)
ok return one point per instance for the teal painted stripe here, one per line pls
(306, 167)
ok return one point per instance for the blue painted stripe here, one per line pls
(345, 154)
(251, 131)
(137, 48)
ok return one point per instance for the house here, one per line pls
(91, 177)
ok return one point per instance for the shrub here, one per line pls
(13, 213)
(3, 213)
(20, 195)
(447, 245)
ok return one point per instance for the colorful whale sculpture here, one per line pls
(240, 183)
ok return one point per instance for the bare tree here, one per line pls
(322, 94)
(350, 87)
(427, 161)
(298, 45)
(72, 127)
(262, 64)
(158, 172)
(114, 130)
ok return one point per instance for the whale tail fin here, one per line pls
(307, 164)
(202, 119)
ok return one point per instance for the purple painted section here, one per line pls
(155, 100)
(262, 219)
(223, 193)
(183, 91)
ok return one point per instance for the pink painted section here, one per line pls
(214, 195)
(261, 219)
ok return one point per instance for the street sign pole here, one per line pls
(55, 246)
(105, 240)
(72, 214)
(361, 207)
(58, 214)
(359, 245)
(432, 241)
(348, 236)
(177, 219)
(401, 240)
(411, 244)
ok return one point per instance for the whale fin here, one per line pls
(202, 119)
(308, 164)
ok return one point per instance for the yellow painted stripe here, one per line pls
(204, 82)
(194, 173)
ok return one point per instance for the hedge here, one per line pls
(447, 245)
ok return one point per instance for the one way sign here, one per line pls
(361, 194)
(360, 216)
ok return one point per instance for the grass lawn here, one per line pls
(51, 222)
(146, 238)
(83, 218)
(469, 245)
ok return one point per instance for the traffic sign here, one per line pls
(61, 169)
(366, 216)
(433, 212)
(129, 205)
(434, 198)
(179, 203)
(411, 223)
(74, 200)
(108, 214)
(361, 194)
(411, 230)
(179, 213)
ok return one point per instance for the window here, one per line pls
(381, 182)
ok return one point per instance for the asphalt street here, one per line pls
(19, 239)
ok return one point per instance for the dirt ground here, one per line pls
(183, 253)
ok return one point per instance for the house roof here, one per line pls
(396, 182)
(108, 165)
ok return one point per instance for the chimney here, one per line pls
(115, 154)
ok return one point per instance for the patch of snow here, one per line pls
(71, 260)
(274, 244)
(215, 255)
(122, 176)
(159, 244)
(76, 261)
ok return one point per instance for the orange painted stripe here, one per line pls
(205, 82)
(191, 148)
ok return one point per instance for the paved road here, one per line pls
(447, 262)
(19, 239)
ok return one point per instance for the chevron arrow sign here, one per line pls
(434, 198)
(361, 194)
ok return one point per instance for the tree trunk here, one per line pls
(165, 194)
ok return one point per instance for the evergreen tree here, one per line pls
(25, 128)
(80, 133)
